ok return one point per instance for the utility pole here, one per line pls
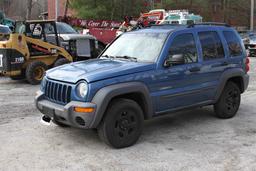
(56, 9)
(224, 10)
(252, 14)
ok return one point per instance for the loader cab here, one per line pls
(44, 30)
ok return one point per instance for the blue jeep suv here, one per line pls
(144, 74)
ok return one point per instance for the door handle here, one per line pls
(220, 64)
(224, 63)
(195, 69)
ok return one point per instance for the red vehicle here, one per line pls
(103, 30)
(153, 17)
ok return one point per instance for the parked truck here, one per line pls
(6, 21)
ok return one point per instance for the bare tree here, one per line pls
(29, 9)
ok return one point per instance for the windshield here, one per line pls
(5, 30)
(144, 47)
(64, 28)
(173, 17)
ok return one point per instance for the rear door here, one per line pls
(214, 58)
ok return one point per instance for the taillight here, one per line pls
(247, 65)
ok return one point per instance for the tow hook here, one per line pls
(45, 120)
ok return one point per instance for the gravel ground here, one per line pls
(191, 140)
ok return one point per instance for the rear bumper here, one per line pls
(251, 49)
(246, 81)
(11, 61)
(65, 114)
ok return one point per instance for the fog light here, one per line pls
(84, 109)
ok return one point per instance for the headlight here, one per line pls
(82, 89)
(43, 83)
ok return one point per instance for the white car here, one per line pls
(181, 17)
(4, 29)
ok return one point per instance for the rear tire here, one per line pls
(60, 62)
(35, 72)
(19, 77)
(122, 125)
(229, 101)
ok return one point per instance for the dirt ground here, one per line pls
(191, 140)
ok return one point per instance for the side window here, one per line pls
(185, 45)
(49, 28)
(234, 46)
(211, 45)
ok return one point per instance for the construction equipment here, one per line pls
(38, 45)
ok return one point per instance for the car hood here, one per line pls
(67, 37)
(96, 69)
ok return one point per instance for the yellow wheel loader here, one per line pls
(39, 45)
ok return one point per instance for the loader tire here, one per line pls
(35, 72)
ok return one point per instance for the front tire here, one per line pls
(229, 101)
(123, 123)
(35, 72)
(60, 62)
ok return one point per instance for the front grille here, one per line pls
(57, 92)
(83, 48)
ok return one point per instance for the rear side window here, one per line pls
(234, 46)
(184, 44)
(211, 45)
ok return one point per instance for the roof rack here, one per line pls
(165, 26)
(209, 24)
(159, 25)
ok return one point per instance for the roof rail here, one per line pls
(209, 24)
(173, 24)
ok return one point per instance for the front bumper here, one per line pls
(65, 114)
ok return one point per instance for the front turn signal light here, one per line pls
(84, 109)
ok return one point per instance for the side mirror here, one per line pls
(176, 59)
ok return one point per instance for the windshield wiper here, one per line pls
(107, 56)
(127, 57)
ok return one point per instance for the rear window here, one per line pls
(234, 46)
(211, 45)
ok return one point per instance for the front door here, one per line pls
(180, 85)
